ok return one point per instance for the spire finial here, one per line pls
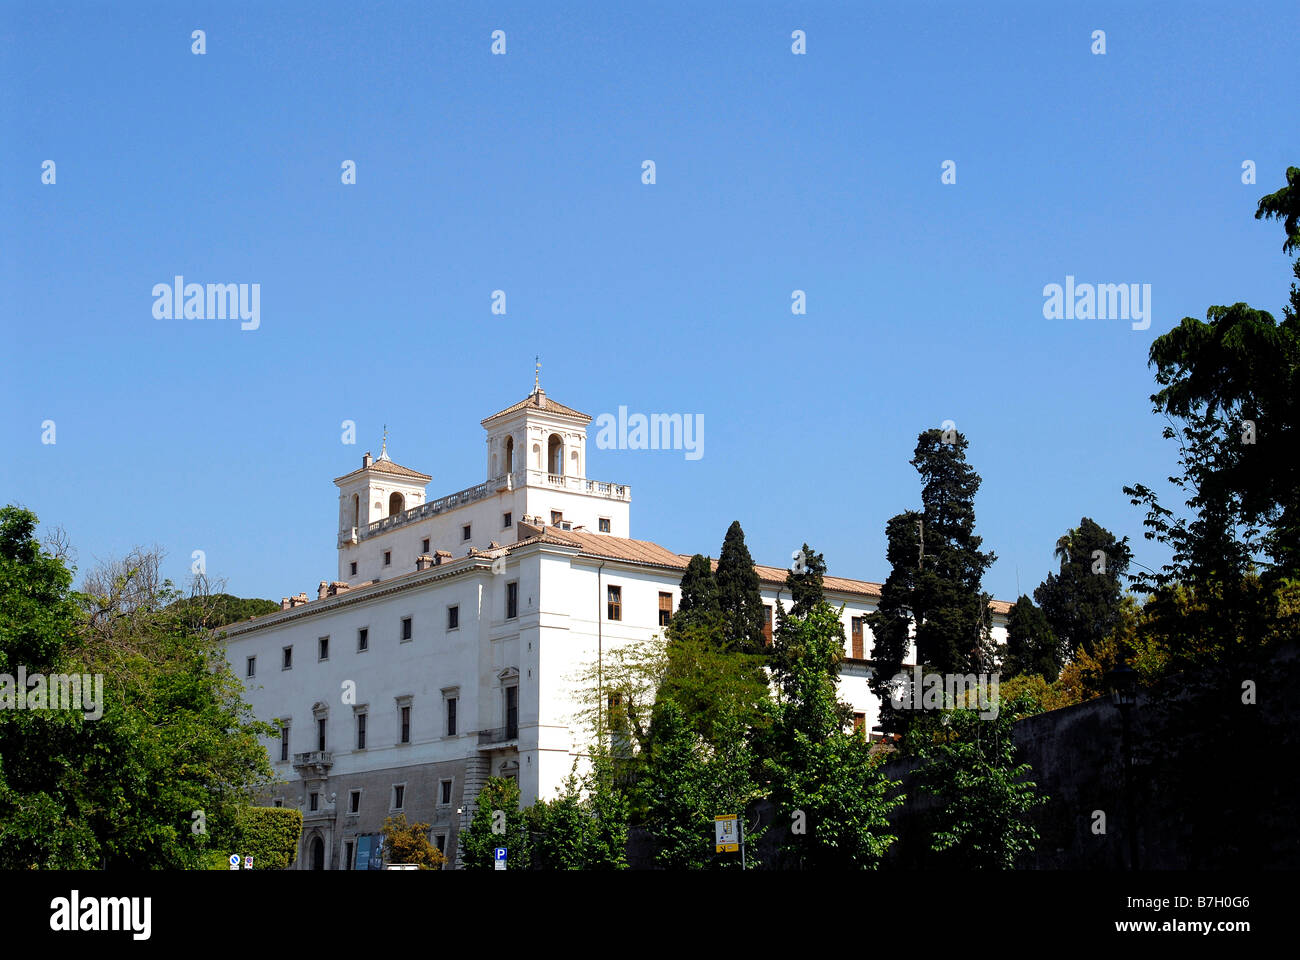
(537, 373)
(383, 450)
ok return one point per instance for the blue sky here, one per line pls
(522, 172)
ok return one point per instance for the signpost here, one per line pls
(729, 836)
(500, 862)
(248, 863)
(234, 861)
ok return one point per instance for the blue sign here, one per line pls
(500, 863)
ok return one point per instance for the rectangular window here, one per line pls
(320, 734)
(859, 723)
(363, 638)
(604, 525)
(399, 796)
(464, 532)
(453, 617)
(767, 624)
(406, 628)
(252, 666)
(406, 725)
(451, 716)
(352, 567)
(512, 713)
(512, 599)
(424, 545)
(347, 854)
(361, 731)
(556, 517)
(615, 611)
(440, 841)
(314, 802)
(444, 792)
(856, 623)
(287, 663)
(665, 608)
(388, 558)
(284, 744)
(506, 521)
(354, 801)
(323, 648)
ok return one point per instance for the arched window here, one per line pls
(575, 469)
(510, 454)
(317, 853)
(395, 504)
(555, 455)
(537, 456)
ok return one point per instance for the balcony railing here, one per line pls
(498, 735)
(610, 491)
(322, 759)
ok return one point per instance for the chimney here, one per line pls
(323, 590)
(423, 562)
(284, 603)
(442, 556)
(297, 601)
(367, 459)
(339, 586)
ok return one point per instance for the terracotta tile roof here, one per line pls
(387, 466)
(540, 401)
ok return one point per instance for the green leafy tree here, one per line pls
(739, 596)
(409, 843)
(827, 785)
(497, 822)
(1081, 602)
(159, 777)
(269, 835)
(585, 827)
(983, 818)
(1032, 647)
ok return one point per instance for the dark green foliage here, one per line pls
(576, 832)
(891, 621)
(1284, 205)
(805, 586)
(219, 610)
(1032, 647)
(699, 605)
(269, 835)
(158, 780)
(739, 596)
(497, 822)
(827, 786)
(983, 817)
(1081, 602)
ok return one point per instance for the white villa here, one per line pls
(446, 649)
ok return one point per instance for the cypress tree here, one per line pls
(743, 616)
(805, 586)
(1032, 647)
(1082, 601)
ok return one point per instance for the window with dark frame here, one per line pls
(314, 802)
(445, 795)
(252, 667)
(665, 609)
(354, 801)
(352, 567)
(388, 558)
(347, 854)
(440, 841)
(615, 603)
(361, 731)
(604, 525)
(406, 628)
(512, 712)
(399, 796)
(857, 650)
(451, 716)
(556, 517)
(288, 659)
(464, 532)
(363, 638)
(320, 734)
(323, 648)
(512, 599)
(859, 723)
(424, 545)
(284, 743)
(406, 725)
(453, 617)
(767, 624)
(506, 522)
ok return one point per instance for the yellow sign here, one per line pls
(726, 834)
